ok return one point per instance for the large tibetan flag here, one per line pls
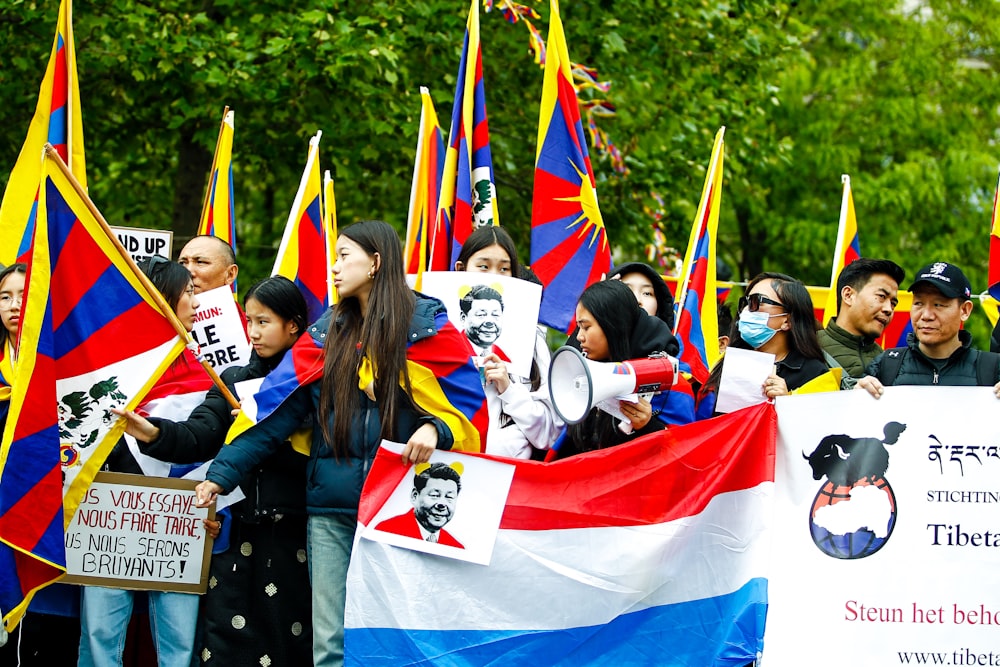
(330, 227)
(444, 379)
(994, 266)
(218, 215)
(569, 243)
(302, 255)
(654, 552)
(94, 337)
(697, 324)
(425, 190)
(847, 250)
(468, 190)
(57, 121)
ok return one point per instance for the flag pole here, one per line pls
(215, 158)
(164, 307)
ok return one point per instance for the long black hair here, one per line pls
(615, 309)
(380, 334)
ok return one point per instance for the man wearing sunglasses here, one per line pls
(866, 299)
(939, 352)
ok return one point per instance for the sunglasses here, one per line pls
(754, 301)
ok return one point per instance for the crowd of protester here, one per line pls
(281, 555)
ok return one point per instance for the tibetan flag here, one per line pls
(57, 121)
(425, 190)
(444, 379)
(330, 226)
(302, 256)
(93, 338)
(218, 217)
(468, 190)
(654, 552)
(848, 247)
(697, 325)
(994, 266)
(569, 243)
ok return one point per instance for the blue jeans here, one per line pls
(104, 617)
(330, 538)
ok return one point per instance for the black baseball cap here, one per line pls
(947, 278)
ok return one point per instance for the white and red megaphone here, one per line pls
(576, 383)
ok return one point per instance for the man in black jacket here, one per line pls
(939, 351)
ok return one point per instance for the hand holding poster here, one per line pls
(886, 534)
(142, 533)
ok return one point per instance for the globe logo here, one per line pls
(854, 511)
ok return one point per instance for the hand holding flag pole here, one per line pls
(164, 307)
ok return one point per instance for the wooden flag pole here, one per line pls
(164, 307)
(215, 161)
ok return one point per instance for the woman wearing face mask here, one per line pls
(775, 316)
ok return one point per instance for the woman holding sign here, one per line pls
(522, 421)
(105, 612)
(354, 374)
(257, 609)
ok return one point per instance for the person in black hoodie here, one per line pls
(257, 607)
(611, 326)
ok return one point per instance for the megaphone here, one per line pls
(576, 383)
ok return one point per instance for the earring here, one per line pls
(371, 273)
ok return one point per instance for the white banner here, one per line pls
(143, 243)
(887, 530)
(219, 330)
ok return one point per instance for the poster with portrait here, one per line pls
(497, 313)
(450, 506)
(886, 539)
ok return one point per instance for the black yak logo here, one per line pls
(854, 512)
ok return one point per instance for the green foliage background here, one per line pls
(903, 96)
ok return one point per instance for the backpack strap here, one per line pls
(892, 361)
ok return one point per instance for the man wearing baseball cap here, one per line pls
(939, 351)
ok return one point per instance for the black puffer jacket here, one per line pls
(917, 369)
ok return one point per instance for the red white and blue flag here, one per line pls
(218, 214)
(654, 552)
(92, 338)
(569, 243)
(58, 121)
(697, 324)
(303, 256)
(425, 191)
(468, 190)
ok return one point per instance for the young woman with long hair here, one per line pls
(362, 396)
(611, 326)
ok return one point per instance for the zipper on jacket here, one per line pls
(935, 381)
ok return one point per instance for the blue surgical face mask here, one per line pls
(753, 328)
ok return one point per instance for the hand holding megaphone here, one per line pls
(577, 384)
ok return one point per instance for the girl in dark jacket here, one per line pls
(257, 607)
(363, 396)
(611, 326)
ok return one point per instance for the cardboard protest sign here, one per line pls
(140, 533)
